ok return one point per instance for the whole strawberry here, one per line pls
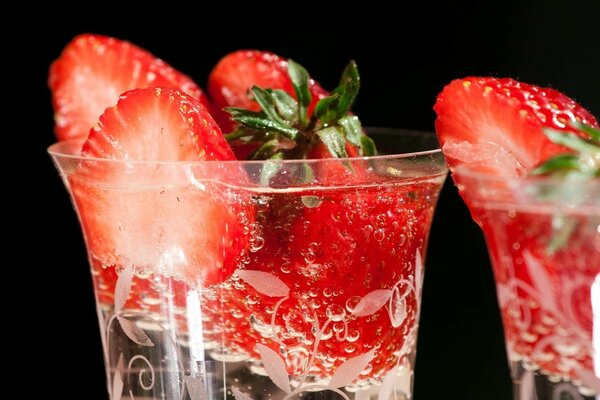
(232, 79)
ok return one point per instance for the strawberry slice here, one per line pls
(160, 217)
(94, 70)
(496, 125)
(232, 78)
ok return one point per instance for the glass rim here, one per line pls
(59, 150)
(465, 171)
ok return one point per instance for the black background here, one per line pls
(405, 57)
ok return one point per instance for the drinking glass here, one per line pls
(543, 237)
(259, 279)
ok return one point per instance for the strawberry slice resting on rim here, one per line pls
(158, 215)
(497, 125)
(92, 72)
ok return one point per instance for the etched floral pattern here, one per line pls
(392, 301)
(543, 328)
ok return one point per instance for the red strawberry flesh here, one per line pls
(157, 216)
(92, 72)
(232, 78)
(496, 125)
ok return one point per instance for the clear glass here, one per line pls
(210, 284)
(543, 237)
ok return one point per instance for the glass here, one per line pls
(259, 279)
(543, 237)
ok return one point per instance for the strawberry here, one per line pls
(94, 70)
(233, 77)
(165, 216)
(331, 247)
(285, 127)
(544, 259)
(497, 125)
(337, 233)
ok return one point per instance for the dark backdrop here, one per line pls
(405, 58)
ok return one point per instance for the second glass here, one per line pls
(269, 279)
(543, 236)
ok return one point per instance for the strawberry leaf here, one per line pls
(594, 133)
(267, 104)
(368, 146)
(270, 168)
(284, 124)
(259, 120)
(581, 164)
(285, 104)
(571, 141)
(326, 109)
(335, 141)
(560, 162)
(300, 78)
(348, 88)
(309, 174)
(267, 150)
(352, 129)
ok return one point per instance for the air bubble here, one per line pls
(339, 327)
(352, 302)
(286, 268)
(265, 330)
(353, 336)
(311, 201)
(335, 312)
(379, 234)
(257, 243)
(309, 257)
(142, 272)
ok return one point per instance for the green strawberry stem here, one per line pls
(578, 166)
(283, 128)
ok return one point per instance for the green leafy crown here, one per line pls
(580, 165)
(283, 128)
(584, 159)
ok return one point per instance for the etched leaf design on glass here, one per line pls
(388, 384)
(134, 333)
(275, 367)
(527, 390)
(541, 282)
(239, 395)
(372, 302)
(264, 282)
(123, 287)
(503, 292)
(419, 276)
(397, 308)
(117, 384)
(346, 373)
(195, 388)
(590, 380)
